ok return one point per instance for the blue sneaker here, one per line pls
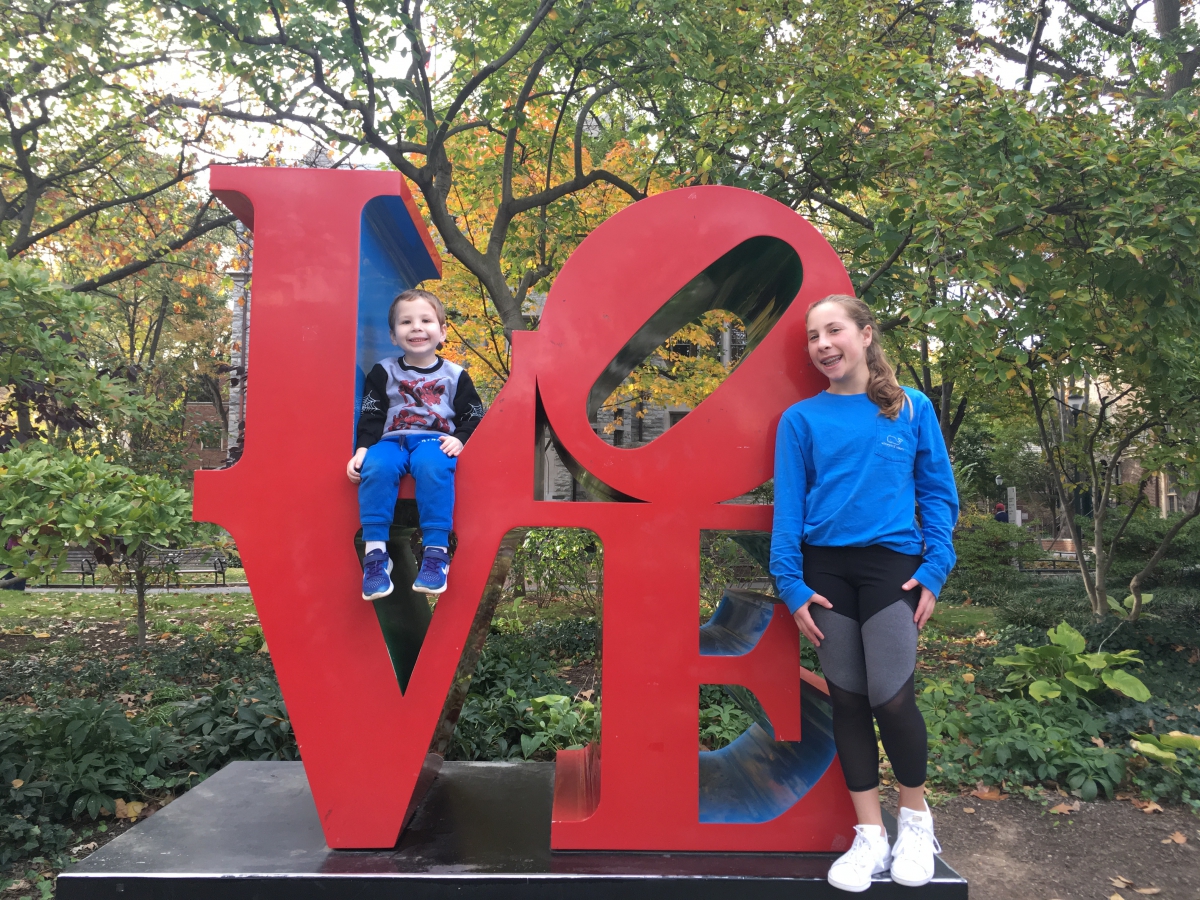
(435, 565)
(377, 570)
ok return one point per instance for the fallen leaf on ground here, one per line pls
(17, 782)
(1147, 891)
(40, 634)
(991, 793)
(1064, 808)
(970, 810)
(1099, 742)
(1147, 806)
(90, 845)
(1177, 837)
(1116, 897)
(1125, 795)
(17, 886)
(1120, 881)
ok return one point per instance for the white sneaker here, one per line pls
(869, 855)
(912, 856)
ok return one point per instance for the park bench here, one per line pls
(79, 562)
(190, 561)
(173, 563)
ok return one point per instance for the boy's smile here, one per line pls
(418, 332)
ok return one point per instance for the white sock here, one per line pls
(376, 545)
(443, 549)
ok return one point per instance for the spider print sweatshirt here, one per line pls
(399, 399)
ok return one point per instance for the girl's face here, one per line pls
(838, 348)
(417, 330)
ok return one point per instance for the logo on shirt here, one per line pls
(370, 404)
(893, 442)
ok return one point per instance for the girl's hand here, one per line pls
(804, 619)
(451, 445)
(925, 606)
(354, 467)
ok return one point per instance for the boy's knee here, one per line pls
(377, 465)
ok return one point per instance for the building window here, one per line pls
(677, 416)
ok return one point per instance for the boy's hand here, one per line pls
(451, 445)
(354, 467)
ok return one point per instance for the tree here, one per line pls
(83, 138)
(49, 498)
(50, 390)
(1109, 42)
(1068, 251)
(412, 81)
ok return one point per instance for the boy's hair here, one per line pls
(882, 387)
(416, 294)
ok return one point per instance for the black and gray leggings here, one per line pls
(869, 655)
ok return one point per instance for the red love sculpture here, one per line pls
(632, 283)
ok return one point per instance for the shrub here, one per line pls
(1015, 740)
(74, 761)
(1064, 668)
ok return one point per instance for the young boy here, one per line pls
(417, 411)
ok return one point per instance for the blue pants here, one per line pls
(386, 462)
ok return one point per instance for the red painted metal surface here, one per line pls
(293, 514)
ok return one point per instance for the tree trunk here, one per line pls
(139, 581)
(1098, 602)
(476, 637)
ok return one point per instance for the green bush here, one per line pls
(1139, 542)
(65, 763)
(74, 761)
(1063, 667)
(986, 550)
(1015, 740)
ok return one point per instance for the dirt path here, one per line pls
(1016, 850)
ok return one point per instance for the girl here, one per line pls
(865, 504)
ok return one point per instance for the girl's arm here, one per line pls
(787, 529)
(937, 498)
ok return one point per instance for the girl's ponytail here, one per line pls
(882, 387)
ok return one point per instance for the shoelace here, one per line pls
(860, 854)
(376, 568)
(910, 831)
(431, 567)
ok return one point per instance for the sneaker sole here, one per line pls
(912, 883)
(382, 594)
(430, 591)
(855, 889)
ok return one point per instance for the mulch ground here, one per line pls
(1016, 850)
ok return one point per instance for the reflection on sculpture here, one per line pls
(645, 786)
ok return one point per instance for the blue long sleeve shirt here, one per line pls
(848, 476)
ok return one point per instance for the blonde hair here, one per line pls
(416, 294)
(882, 387)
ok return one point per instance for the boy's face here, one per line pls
(417, 331)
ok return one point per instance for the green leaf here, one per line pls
(1180, 741)
(1063, 635)
(1147, 599)
(1124, 683)
(1044, 690)
(1113, 604)
(1150, 751)
(1083, 682)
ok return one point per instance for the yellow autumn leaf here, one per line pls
(1057, 295)
(1017, 281)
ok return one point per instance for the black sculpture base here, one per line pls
(251, 833)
